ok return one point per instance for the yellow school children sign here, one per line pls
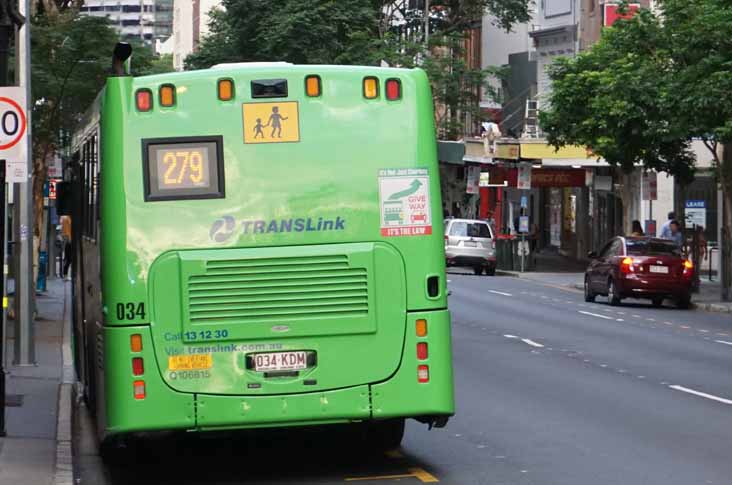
(271, 122)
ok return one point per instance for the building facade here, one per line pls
(190, 25)
(143, 20)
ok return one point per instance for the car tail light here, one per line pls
(493, 245)
(447, 239)
(626, 266)
(139, 389)
(688, 267)
(138, 367)
(422, 350)
(423, 373)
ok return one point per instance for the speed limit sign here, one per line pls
(14, 133)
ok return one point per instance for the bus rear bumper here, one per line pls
(401, 395)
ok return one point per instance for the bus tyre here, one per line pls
(117, 451)
(385, 435)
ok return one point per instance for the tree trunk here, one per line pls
(725, 181)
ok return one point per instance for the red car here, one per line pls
(639, 267)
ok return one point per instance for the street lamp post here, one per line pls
(10, 19)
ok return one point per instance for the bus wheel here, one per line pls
(385, 435)
(117, 450)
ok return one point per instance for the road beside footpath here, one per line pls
(37, 447)
(708, 298)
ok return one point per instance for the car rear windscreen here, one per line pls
(470, 229)
(652, 248)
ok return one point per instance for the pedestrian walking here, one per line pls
(675, 233)
(637, 230)
(666, 228)
(66, 237)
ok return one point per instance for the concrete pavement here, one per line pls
(37, 448)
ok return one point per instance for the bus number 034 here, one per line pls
(130, 311)
(190, 162)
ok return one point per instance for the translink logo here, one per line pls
(224, 228)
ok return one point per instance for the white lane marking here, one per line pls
(651, 319)
(723, 342)
(532, 343)
(686, 327)
(500, 293)
(545, 297)
(668, 323)
(595, 315)
(636, 316)
(510, 336)
(621, 313)
(701, 394)
(619, 320)
(703, 331)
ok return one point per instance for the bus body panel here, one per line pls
(152, 251)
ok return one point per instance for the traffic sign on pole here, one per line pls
(14, 133)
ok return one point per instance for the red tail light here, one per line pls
(143, 99)
(626, 266)
(393, 89)
(688, 268)
(138, 367)
(422, 350)
(447, 238)
(139, 389)
(423, 373)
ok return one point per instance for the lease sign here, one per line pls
(13, 133)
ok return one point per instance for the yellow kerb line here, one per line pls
(418, 473)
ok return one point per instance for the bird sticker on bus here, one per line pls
(404, 199)
(271, 122)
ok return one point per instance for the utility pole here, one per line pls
(9, 20)
(23, 199)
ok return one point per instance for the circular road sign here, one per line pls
(13, 123)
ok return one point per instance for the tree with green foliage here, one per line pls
(71, 58)
(647, 88)
(366, 32)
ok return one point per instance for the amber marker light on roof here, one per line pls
(143, 100)
(226, 89)
(167, 95)
(370, 88)
(312, 86)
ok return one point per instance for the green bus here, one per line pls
(236, 265)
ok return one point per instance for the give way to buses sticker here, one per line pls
(404, 202)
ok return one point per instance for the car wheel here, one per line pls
(589, 295)
(478, 270)
(657, 302)
(684, 302)
(612, 293)
(490, 271)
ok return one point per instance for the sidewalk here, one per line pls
(36, 450)
(708, 298)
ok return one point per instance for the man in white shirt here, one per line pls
(666, 228)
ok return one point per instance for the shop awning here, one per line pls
(451, 152)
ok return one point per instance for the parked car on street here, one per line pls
(469, 242)
(639, 267)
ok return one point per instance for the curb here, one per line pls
(64, 472)
(713, 307)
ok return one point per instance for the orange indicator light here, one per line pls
(136, 342)
(226, 89)
(312, 86)
(421, 328)
(167, 95)
(370, 88)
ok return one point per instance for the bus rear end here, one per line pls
(272, 250)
